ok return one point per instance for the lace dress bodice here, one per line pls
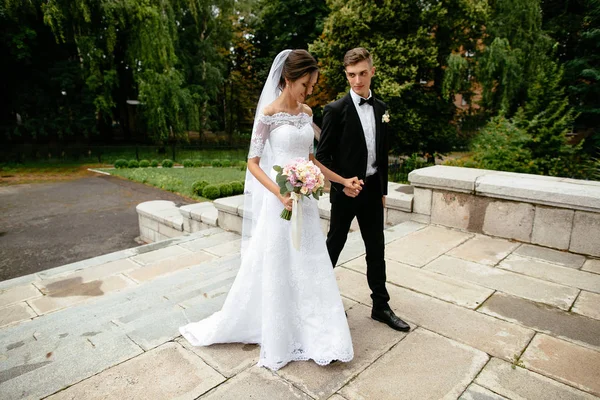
(288, 136)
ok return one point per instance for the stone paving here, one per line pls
(491, 319)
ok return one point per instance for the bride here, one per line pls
(284, 299)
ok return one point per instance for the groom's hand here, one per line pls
(352, 187)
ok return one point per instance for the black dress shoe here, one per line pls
(388, 317)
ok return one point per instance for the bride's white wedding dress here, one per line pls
(284, 299)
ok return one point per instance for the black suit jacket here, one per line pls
(342, 147)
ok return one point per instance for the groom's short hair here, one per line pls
(357, 55)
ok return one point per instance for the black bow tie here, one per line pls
(370, 100)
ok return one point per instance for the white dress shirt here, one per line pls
(367, 120)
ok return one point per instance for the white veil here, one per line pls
(254, 191)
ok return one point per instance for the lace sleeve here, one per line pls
(259, 137)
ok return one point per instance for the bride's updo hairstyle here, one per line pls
(297, 64)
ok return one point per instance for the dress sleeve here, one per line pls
(259, 136)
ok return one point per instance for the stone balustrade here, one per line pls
(555, 212)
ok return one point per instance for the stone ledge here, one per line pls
(549, 191)
(443, 177)
(163, 211)
(535, 189)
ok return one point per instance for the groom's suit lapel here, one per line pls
(353, 120)
(378, 110)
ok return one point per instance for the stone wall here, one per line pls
(555, 212)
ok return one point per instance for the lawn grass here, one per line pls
(180, 180)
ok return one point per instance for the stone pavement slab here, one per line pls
(424, 245)
(543, 318)
(449, 367)
(439, 286)
(518, 383)
(37, 374)
(226, 249)
(371, 339)
(554, 256)
(506, 281)
(167, 266)
(565, 362)
(210, 241)
(552, 273)
(16, 313)
(167, 372)
(484, 250)
(18, 294)
(588, 304)
(476, 392)
(592, 265)
(152, 257)
(228, 359)
(495, 337)
(93, 273)
(78, 293)
(256, 383)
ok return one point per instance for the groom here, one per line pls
(353, 142)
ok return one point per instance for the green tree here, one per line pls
(168, 54)
(284, 24)
(410, 42)
(575, 25)
(44, 96)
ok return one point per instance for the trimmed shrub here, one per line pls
(243, 165)
(144, 164)
(197, 163)
(166, 163)
(154, 163)
(238, 187)
(187, 163)
(226, 163)
(226, 189)
(211, 192)
(216, 163)
(133, 164)
(198, 187)
(120, 163)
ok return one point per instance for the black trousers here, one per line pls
(367, 207)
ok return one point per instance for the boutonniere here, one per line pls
(385, 117)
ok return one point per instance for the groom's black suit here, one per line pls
(343, 149)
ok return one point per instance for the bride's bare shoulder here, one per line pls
(306, 109)
(269, 110)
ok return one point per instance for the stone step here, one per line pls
(98, 315)
(38, 374)
(506, 281)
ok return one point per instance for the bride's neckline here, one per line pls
(280, 113)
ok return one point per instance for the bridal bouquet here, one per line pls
(301, 178)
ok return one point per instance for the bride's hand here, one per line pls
(287, 201)
(352, 186)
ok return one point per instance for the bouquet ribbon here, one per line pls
(296, 219)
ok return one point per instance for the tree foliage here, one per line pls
(410, 42)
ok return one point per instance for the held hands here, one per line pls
(352, 186)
